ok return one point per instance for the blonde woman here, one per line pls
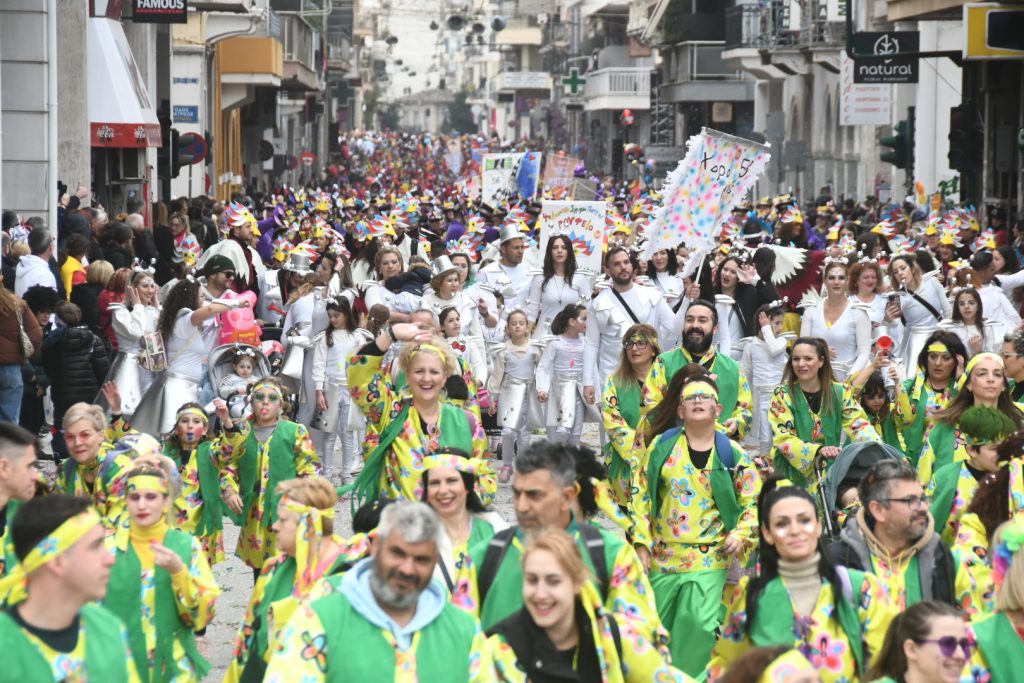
(562, 613)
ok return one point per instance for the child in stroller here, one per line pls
(233, 368)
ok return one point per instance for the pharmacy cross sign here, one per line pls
(573, 81)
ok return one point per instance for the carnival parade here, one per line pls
(435, 341)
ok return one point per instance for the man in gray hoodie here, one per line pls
(386, 614)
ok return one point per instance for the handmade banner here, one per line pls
(559, 172)
(718, 171)
(499, 178)
(453, 156)
(583, 222)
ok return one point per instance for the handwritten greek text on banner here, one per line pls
(719, 170)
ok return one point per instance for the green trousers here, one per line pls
(690, 607)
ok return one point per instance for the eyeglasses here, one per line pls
(948, 645)
(912, 502)
(268, 398)
(640, 344)
(698, 398)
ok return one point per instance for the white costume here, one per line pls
(329, 376)
(547, 301)
(130, 327)
(763, 362)
(849, 336)
(609, 320)
(670, 286)
(512, 381)
(512, 281)
(559, 374)
(918, 321)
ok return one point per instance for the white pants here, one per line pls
(349, 440)
(560, 434)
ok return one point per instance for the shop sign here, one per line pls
(160, 11)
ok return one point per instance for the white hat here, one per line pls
(441, 265)
(509, 233)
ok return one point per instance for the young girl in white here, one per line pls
(451, 327)
(764, 359)
(515, 365)
(560, 375)
(333, 401)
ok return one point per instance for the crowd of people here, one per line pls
(807, 462)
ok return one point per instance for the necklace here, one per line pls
(561, 284)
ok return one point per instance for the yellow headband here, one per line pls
(701, 388)
(432, 348)
(147, 482)
(974, 362)
(192, 410)
(308, 535)
(13, 586)
(937, 347)
(269, 385)
(785, 667)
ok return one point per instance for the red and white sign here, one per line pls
(124, 134)
(307, 158)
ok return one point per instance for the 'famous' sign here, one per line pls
(160, 11)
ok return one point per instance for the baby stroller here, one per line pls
(221, 361)
(849, 467)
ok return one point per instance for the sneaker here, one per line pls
(505, 474)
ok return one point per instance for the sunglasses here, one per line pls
(948, 645)
(229, 275)
(269, 398)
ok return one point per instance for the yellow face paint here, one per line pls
(694, 389)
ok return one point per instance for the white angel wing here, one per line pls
(812, 297)
(788, 260)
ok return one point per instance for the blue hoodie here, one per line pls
(356, 587)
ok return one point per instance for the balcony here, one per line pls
(697, 73)
(339, 54)
(523, 80)
(618, 88)
(520, 31)
(300, 47)
(770, 42)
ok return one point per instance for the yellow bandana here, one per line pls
(13, 586)
(962, 380)
(192, 410)
(699, 389)
(308, 534)
(432, 348)
(147, 482)
(937, 347)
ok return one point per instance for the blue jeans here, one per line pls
(11, 389)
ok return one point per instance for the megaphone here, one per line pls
(455, 22)
(499, 23)
(884, 343)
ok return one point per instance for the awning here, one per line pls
(121, 113)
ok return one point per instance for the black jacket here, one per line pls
(78, 358)
(87, 297)
(413, 281)
(539, 658)
(118, 256)
(936, 564)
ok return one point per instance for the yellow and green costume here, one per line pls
(733, 387)
(798, 432)
(254, 470)
(839, 637)
(621, 413)
(395, 466)
(683, 515)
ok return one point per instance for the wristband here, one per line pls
(391, 334)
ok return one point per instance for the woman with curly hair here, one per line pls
(263, 451)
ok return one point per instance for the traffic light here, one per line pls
(901, 152)
(966, 138)
(175, 161)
